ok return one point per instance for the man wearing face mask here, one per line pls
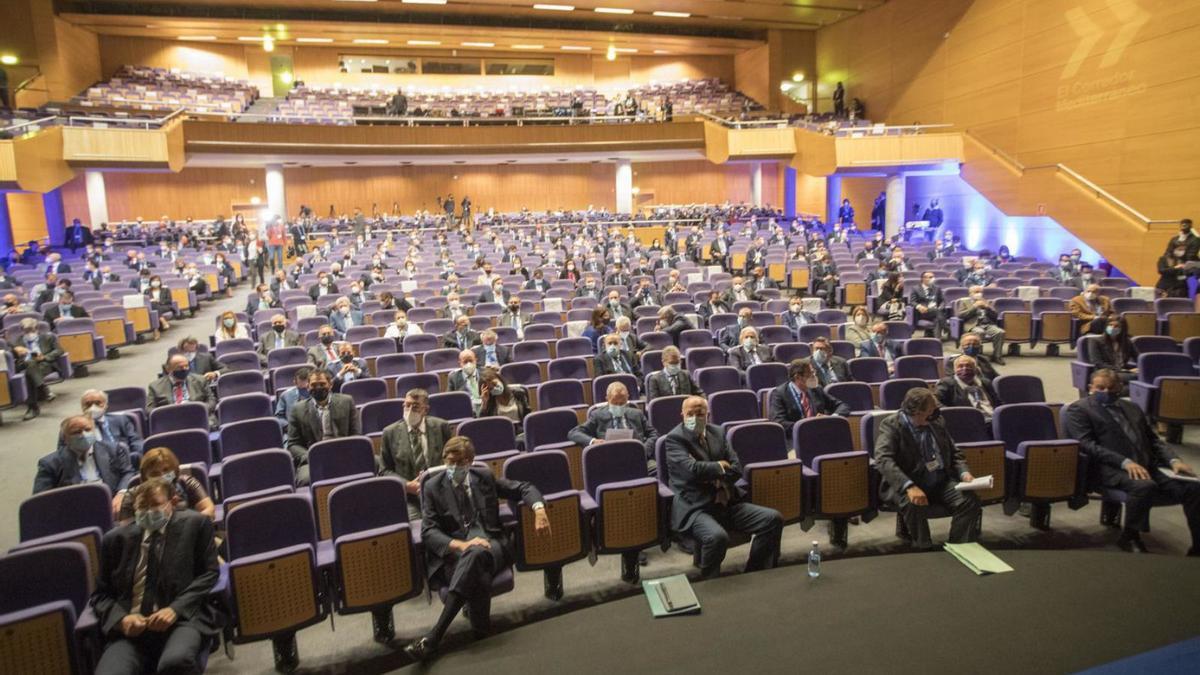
(321, 416)
(795, 316)
(489, 352)
(289, 398)
(672, 380)
(462, 337)
(1187, 240)
(645, 296)
(628, 340)
(36, 354)
(828, 367)
(466, 378)
(980, 318)
(179, 385)
(749, 352)
(1132, 458)
(324, 286)
(343, 317)
(538, 282)
(152, 596)
(1091, 310)
(413, 445)
(739, 292)
(201, 363)
(920, 465)
(589, 289)
(115, 429)
(64, 308)
(971, 345)
(613, 360)
(704, 473)
(928, 304)
(496, 293)
(1173, 271)
(616, 308)
(279, 337)
(401, 327)
(730, 335)
(513, 317)
(968, 388)
(454, 307)
(802, 397)
(465, 543)
(879, 346)
(347, 367)
(83, 456)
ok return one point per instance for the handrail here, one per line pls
(10, 129)
(1075, 175)
(886, 129)
(134, 121)
(469, 121)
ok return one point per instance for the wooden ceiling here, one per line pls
(710, 27)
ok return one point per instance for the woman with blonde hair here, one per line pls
(229, 328)
(188, 493)
(858, 328)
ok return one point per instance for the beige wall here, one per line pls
(1016, 72)
(752, 74)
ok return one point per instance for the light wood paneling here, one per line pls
(27, 214)
(38, 161)
(898, 150)
(752, 73)
(122, 147)
(701, 182)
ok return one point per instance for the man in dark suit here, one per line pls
(513, 317)
(748, 352)
(36, 355)
(979, 317)
(115, 429)
(326, 352)
(619, 276)
(612, 360)
(802, 397)
(1131, 457)
(967, 387)
(730, 335)
(151, 599)
(704, 472)
(538, 282)
(672, 323)
(672, 380)
(466, 378)
(740, 292)
(322, 415)
(829, 368)
(645, 296)
(759, 281)
(929, 305)
(616, 308)
(465, 543)
(83, 457)
(616, 415)
(179, 385)
(879, 346)
(462, 337)
(64, 308)
(713, 305)
(324, 286)
(920, 465)
(796, 317)
(496, 293)
(972, 345)
(76, 236)
(628, 340)
(201, 363)
(55, 265)
(489, 353)
(279, 337)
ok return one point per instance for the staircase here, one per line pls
(263, 106)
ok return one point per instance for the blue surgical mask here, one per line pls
(690, 422)
(457, 474)
(497, 389)
(1103, 397)
(151, 521)
(1112, 331)
(749, 343)
(671, 369)
(819, 356)
(616, 410)
(169, 476)
(972, 350)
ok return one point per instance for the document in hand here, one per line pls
(669, 596)
(978, 483)
(1178, 476)
(977, 558)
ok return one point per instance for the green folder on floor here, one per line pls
(670, 596)
(978, 559)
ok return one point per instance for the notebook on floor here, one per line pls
(670, 596)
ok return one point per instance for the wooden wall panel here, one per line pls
(862, 191)
(702, 182)
(27, 214)
(74, 197)
(215, 59)
(752, 73)
(199, 193)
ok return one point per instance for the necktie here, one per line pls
(331, 355)
(754, 357)
(414, 439)
(105, 431)
(179, 393)
(1140, 454)
(624, 368)
(327, 430)
(465, 507)
(145, 579)
(618, 422)
(805, 403)
(674, 384)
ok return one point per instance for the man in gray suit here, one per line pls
(84, 458)
(278, 337)
(201, 363)
(920, 465)
(829, 367)
(322, 416)
(489, 353)
(179, 385)
(748, 352)
(115, 429)
(466, 378)
(413, 445)
(320, 355)
(672, 380)
(513, 317)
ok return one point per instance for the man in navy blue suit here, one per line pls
(115, 429)
(83, 457)
(880, 346)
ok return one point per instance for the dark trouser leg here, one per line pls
(1187, 494)
(766, 525)
(181, 652)
(471, 578)
(121, 657)
(916, 522)
(713, 541)
(1140, 498)
(481, 613)
(964, 513)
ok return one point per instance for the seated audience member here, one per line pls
(704, 473)
(629, 340)
(614, 360)
(971, 345)
(748, 352)
(200, 363)
(324, 286)
(1091, 309)
(344, 316)
(672, 323)
(829, 367)
(36, 355)
(401, 327)
(489, 352)
(739, 292)
(858, 329)
(590, 288)
(152, 598)
(348, 367)
(795, 316)
(598, 326)
(513, 317)
(412, 445)
(538, 282)
(1114, 350)
(672, 380)
(321, 416)
(645, 296)
(879, 346)
(616, 308)
(462, 337)
(920, 465)
(64, 308)
(160, 300)
(979, 275)
(498, 398)
(290, 397)
(1130, 456)
(466, 378)
(465, 543)
(890, 304)
(179, 385)
(326, 350)
(116, 429)
(713, 305)
(979, 317)
(928, 304)
(618, 414)
(281, 337)
(802, 397)
(967, 387)
(83, 457)
(730, 335)
(230, 329)
(186, 491)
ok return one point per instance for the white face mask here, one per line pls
(469, 368)
(413, 418)
(690, 422)
(96, 411)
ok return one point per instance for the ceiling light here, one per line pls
(555, 8)
(198, 38)
(286, 77)
(268, 44)
(613, 10)
(611, 53)
(9, 59)
(661, 51)
(356, 0)
(625, 50)
(575, 48)
(370, 41)
(527, 46)
(423, 2)
(424, 43)
(479, 44)
(251, 38)
(673, 15)
(315, 40)
(797, 77)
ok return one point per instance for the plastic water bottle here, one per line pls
(814, 561)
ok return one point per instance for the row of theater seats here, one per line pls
(161, 89)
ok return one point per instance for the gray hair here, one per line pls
(95, 392)
(29, 323)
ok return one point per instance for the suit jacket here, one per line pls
(318, 356)
(205, 363)
(649, 299)
(506, 318)
(537, 285)
(1101, 437)
(490, 296)
(450, 340)
(48, 346)
(123, 432)
(729, 336)
(1102, 355)
(187, 572)
(729, 298)
(457, 381)
(608, 365)
(61, 468)
(633, 344)
(793, 321)
(950, 394)
(787, 412)
(55, 313)
(335, 367)
(677, 326)
(397, 454)
(839, 367)
(600, 420)
(503, 354)
(266, 342)
(442, 522)
(620, 310)
(304, 425)
(314, 291)
(898, 456)
(1077, 306)
(339, 322)
(660, 385)
(161, 392)
(871, 348)
(705, 310)
(739, 358)
(932, 298)
(970, 316)
(692, 472)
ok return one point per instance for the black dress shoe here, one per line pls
(383, 625)
(286, 656)
(643, 558)
(421, 649)
(554, 585)
(31, 413)
(1132, 545)
(630, 570)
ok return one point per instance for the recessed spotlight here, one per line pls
(555, 8)
(528, 46)
(423, 2)
(424, 43)
(624, 50)
(9, 59)
(613, 10)
(479, 44)
(575, 48)
(370, 41)
(198, 38)
(661, 51)
(673, 15)
(251, 38)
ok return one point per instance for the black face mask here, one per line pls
(514, 308)
(179, 374)
(347, 358)
(935, 415)
(326, 339)
(279, 328)
(319, 394)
